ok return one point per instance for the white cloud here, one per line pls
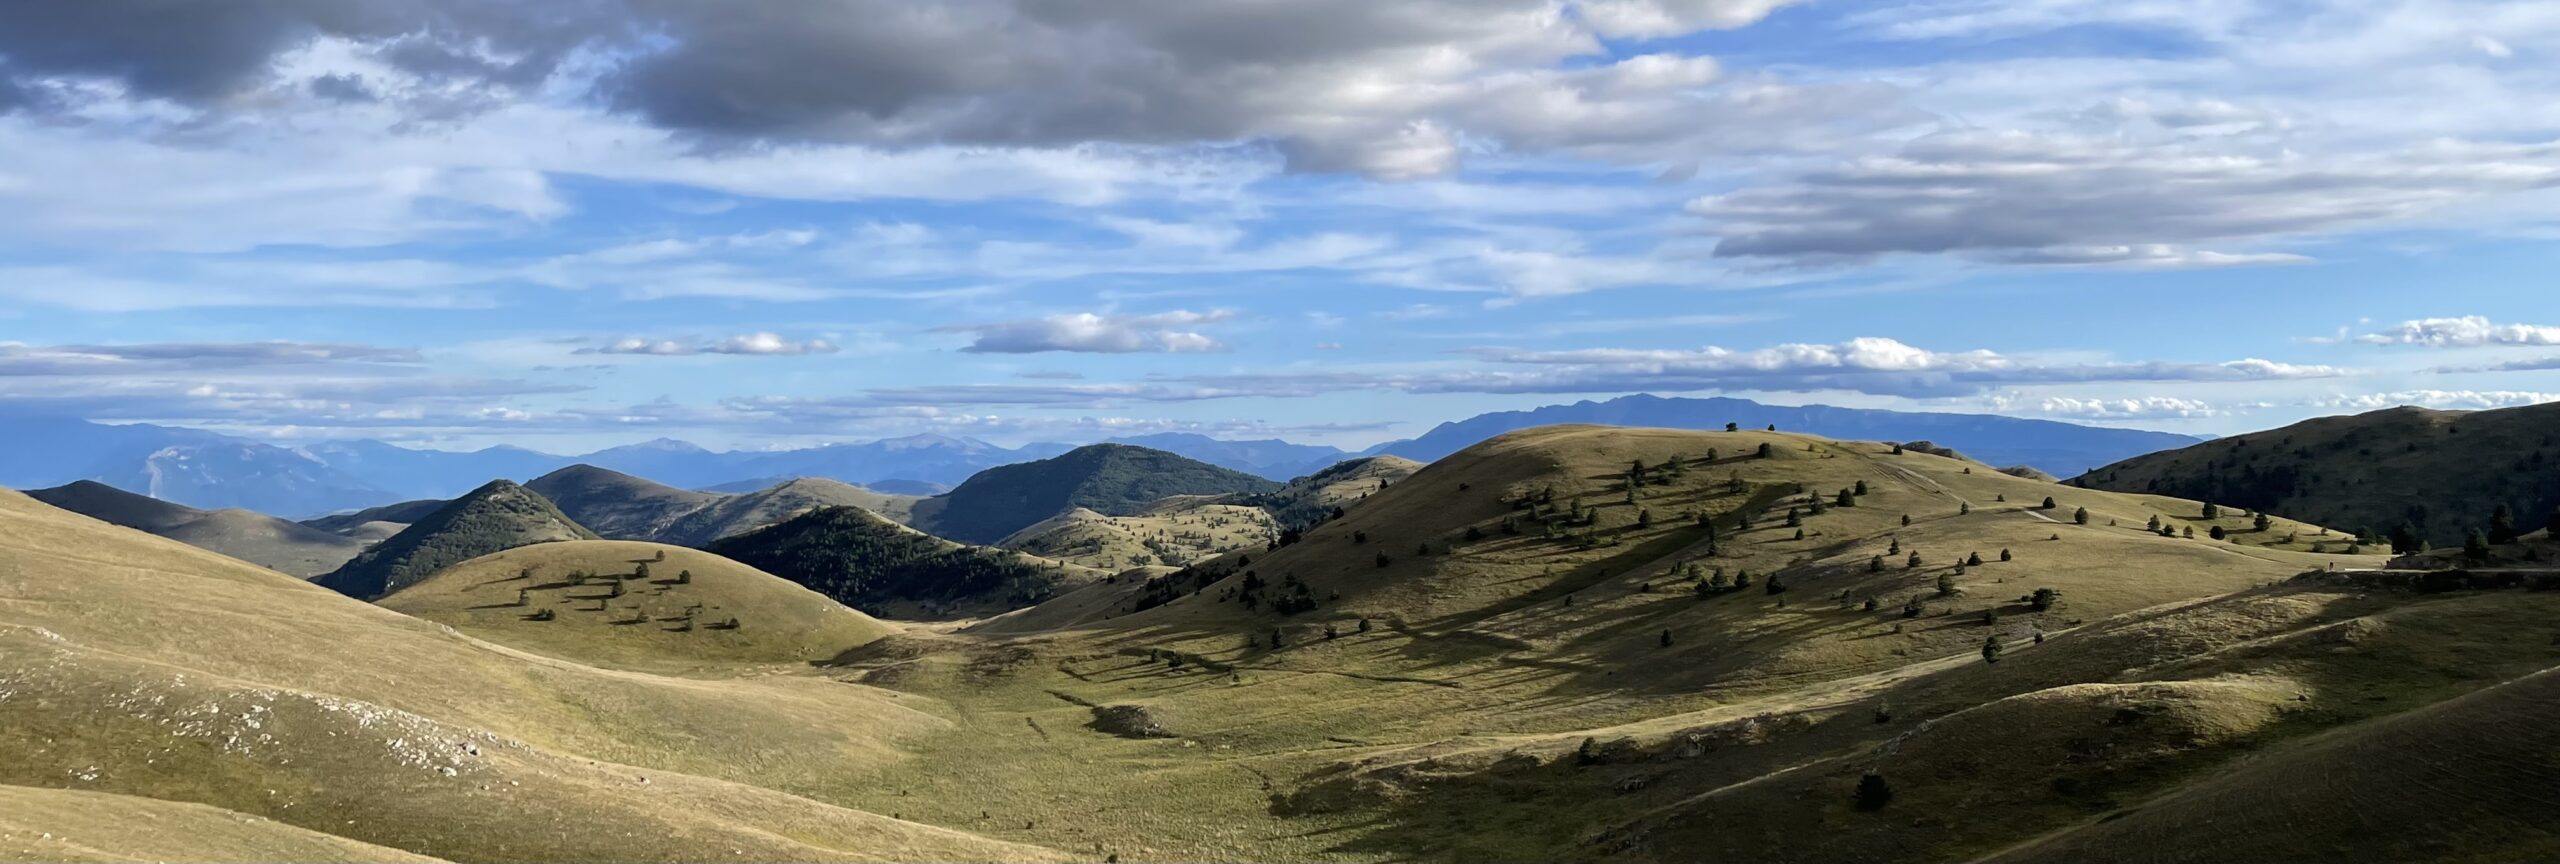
(2465, 332)
(1086, 332)
(2468, 400)
(2120, 408)
(759, 343)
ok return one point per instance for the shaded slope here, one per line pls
(493, 518)
(1111, 479)
(617, 505)
(870, 563)
(402, 514)
(2442, 472)
(253, 537)
(1309, 499)
(690, 609)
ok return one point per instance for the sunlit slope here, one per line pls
(140, 666)
(56, 825)
(1175, 532)
(1529, 540)
(636, 605)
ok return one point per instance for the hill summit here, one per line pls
(1111, 479)
(493, 518)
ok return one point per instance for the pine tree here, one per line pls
(2502, 525)
(2263, 523)
(684, 577)
(1873, 793)
(2211, 511)
(1876, 565)
(640, 571)
(2551, 525)
(2043, 599)
(2080, 516)
(1991, 649)
(1973, 560)
(1765, 450)
(2476, 547)
(1666, 638)
(2005, 556)
(1946, 585)
(2049, 503)
(1860, 489)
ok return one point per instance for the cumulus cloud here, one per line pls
(2469, 331)
(2121, 408)
(760, 343)
(1088, 333)
(2467, 400)
(1871, 365)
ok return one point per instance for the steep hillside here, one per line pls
(2441, 473)
(617, 505)
(2057, 448)
(738, 514)
(253, 537)
(636, 605)
(140, 667)
(493, 518)
(870, 563)
(1112, 479)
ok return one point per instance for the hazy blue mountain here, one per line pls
(1272, 459)
(2060, 449)
(413, 473)
(192, 467)
(940, 459)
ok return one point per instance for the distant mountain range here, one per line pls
(209, 470)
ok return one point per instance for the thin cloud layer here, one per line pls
(2469, 331)
(1089, 333)
(759, 343)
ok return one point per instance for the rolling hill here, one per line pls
(2061, 449)
(1111, 479)
(865, 561)
(617, 505)
(738, 514)
(2442, 473)
(627, 604)
(493, 518)
(140, 668)
(259, 539)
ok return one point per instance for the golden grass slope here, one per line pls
(744, 512)
(693, 610)
(138, 666)
(1177, 531)
(56, 825)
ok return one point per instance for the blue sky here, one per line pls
(575, 225)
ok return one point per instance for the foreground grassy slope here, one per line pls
(139, 666)
(1112, 479)
(266, 541)
(56, 825)
(2442, 472)
(629, 604)
(493, 518)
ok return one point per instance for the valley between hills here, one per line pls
(1560, 643)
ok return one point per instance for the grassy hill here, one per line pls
(738, 514)
(617, 505)
(58, 825)
(1177, 531)
(493, 518)
(1111, 479)
(2443, 473)
(636, 605)
(253, 537)
(863, 560)
(140, 667)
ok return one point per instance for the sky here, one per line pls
(567, 225)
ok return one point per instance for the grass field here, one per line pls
(1485, 694)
